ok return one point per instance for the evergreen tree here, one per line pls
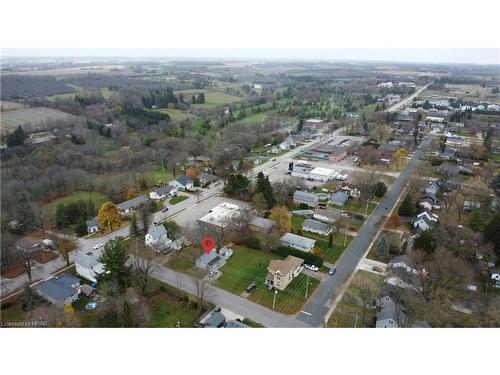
(145, 219)
(475, 220)
(406, 208)
(114, 259)
(237, 185)
(492, 233)
(425, 242)
(81, 227)
(330, 240)
(60, 216)
(134, 226)
(16, 138)
(379, 189)
(382, 247)
(264, 187)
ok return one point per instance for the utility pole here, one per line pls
(274, 297)
(356, 321)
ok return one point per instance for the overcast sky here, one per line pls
(417, 55)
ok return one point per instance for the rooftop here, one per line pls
(297, 240)
(222, 214)
(284, 266)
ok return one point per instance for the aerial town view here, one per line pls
(201, 189)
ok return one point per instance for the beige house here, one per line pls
(282, 272)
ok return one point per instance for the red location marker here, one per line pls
(208, 244)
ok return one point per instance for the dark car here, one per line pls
(251, 288)
(165, 209)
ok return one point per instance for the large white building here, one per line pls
(221, 215)
(322, 174)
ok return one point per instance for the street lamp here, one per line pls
(274, 297)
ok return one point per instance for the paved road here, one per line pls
(407, 101)
(325, 294)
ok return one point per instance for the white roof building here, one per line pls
(221, 215)
(322, 174)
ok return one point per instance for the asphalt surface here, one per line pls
(317, 307)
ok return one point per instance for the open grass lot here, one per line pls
(331, 253)
(216, 99)
(159, 175)
(178, 198)
(247, 266)
(184, 261)
(191, 92)
(354, 205)
(177, 114)
(253, 119)
(31, 119)
(288, 301)
(166, 311)
(97, 198)
(244, 267)
(349, 315)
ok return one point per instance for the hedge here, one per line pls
(312, 259)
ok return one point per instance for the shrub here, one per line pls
(252, 242)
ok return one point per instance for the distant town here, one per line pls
(242, 194)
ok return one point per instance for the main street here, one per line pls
(326, 292)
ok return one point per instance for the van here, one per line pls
(251, 288)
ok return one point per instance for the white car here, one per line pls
(311, 267)
(98, 246)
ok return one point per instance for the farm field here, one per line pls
(31, 119)
(8, 106)
(191, 92)
(97, 198)
(216, 99)
(177, 114)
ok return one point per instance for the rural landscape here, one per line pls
(249, 193)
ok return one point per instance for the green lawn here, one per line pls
(166, 311)
(97, 198)
(12, 312)
(244, 267)
(217, 99)
(107, 93)
(184, 261)
(161, 176)
(288, 301)
(178, 199)
(354, 205)
(176, 114)
(332, 253)
(253, 119)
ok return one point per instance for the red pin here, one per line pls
(208, 244)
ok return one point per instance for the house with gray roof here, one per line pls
(88, 265)
(315, 226)
(387, 315)
(216, 320)
(261, 224)
(327, 216)
(304, 197)
(132, 204)
(182, 183)
(297, 242)
(210, 261)
(236, 324)
(339, 198)
(163, 192)
(92, 226)
(157, 236)
(60, 290)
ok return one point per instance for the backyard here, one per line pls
(184, 261)
(97, 198)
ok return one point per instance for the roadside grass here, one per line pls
(178, 198)
(348, 314)
(288, 301)
(251, 323)
(245, 266)
(97, 198)
(11, 311)
(184, 261)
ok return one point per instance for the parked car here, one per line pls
(311, 267)
(332, 271)
(274, 159)
(165, 209)
(251, 288)
(97, 246)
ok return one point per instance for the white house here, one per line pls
(422, 222)
(92, 225)
(297, 242)
(301, 170)
(387, 317)
(88, 266)
(182, 183)
(163, 192)
(322, 174)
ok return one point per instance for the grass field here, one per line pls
(358, 207)
(160, 175)
(216, 99)
(191, 92)
(184, 262)
(31, 119)
(97, 198)
(253, 119)
(166, 311)
(178, 198)
(177, 114)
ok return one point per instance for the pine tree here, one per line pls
(145, 219)
(81, 227)
(382, 247)
(264, 187)
(134, 227)
(475, 220)
(406, 208)
(492, 233)
(114, 259)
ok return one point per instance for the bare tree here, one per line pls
(144, 263)
(365, 182)
(202, 288)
